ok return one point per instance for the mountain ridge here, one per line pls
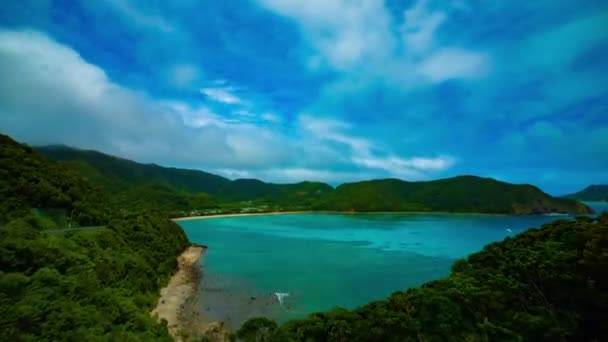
(455, 194)
(465, 193)
(594, 192)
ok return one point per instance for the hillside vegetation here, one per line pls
(28, 180)
(186, 190)
(119, 174)
(591, 193)
(546, 284)
(95, 285)
(458, 194)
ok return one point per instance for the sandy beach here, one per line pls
(241, 214)
(182, 287)
(350, 212)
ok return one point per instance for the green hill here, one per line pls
(97, 284)
(543, 285)
(119, 174)
(173, 188)
(458, 194)
(546, 284)
(591, 193)
(30, 181)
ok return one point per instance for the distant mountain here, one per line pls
(591, 193)
(167, 187)
(458, 194)
(118, 174)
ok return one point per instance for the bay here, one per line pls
(322, 261)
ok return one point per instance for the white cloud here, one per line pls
(50, 94)
(200, 116)
(244, 113)
(132, 13)
(419, 26)
(364, 152)
(361, 39)
(449, 64)
(395, 163)
(270, 117)
(221, 94)
(182, 75)
(344, 33)
(297, 174)
(330, 129)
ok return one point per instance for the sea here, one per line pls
(288, 266)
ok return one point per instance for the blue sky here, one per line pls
(329, 90)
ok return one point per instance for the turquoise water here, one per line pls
(598, 206)
(329, 260)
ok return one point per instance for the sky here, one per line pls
(323, 90)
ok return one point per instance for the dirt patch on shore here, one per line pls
(175, 304)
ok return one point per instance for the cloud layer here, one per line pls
(49, 85)
(328, 90)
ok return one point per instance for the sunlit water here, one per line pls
(328, 260)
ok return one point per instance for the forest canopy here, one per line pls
(546, 284)
(89, 285)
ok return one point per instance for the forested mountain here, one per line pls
(543, 285)
(591, 193)
(458, 194)
(97, 284)
(119, 174)
(546, 284)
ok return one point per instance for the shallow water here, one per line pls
(328, 260)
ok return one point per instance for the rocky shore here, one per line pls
(178, 301)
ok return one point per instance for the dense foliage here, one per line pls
(89, 285)
(93, 285)
(148, 183)
(546, 284)
(119, 174)
(28, 180)
(458, 194)
(591, 193)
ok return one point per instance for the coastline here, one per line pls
(202, 217)
(174, 298)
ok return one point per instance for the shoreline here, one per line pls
(175, 297)
(202, 217)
